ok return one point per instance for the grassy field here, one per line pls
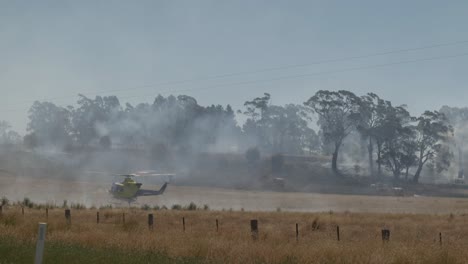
(96, 193)
(414, 237)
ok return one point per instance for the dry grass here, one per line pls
(414, 238)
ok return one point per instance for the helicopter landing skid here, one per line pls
(122, 202)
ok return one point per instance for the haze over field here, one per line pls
(324, 96)
(163, 128)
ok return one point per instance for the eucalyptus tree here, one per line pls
(432, 131)
(372, 114)
(338, 113)
(50, 124)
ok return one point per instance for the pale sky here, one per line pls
(53, 50)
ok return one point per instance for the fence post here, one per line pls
(217, 225)
(297, 232)
(68, 216)
(254, 228)
(22, 210)
(40, 243)
(183, 223)
(440, 238)
(1, 210)
(338, 232)
(47, 213)
(97, 217)
(123, 218)
(385, 235)
(150, 221)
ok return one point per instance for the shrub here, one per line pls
(105, 142)
(145, 207)
(277, 162)
(252, 155)
(108, 206)
(50, 205)
(27, 202)
(5, 201)
(78, 206)
(30, 141)
(192, 206)
(206, 207)
(315, 224)
(176, 207)
(9, 220)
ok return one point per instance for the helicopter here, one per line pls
(129, 189)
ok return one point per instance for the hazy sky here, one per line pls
(53, 50)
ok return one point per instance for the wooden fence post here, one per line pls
(440, 238)
(385, 235)
(1, 210)
(297, 232)
(217, 225)
(183, 223)
(47, 213)
(150, 221)
(68, 216)
(97, 217)
(123, 218)
(254, 228)
(338, 232)
(22, 210)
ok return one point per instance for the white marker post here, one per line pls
(40, 243)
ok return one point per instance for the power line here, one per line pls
(374, 66)
(221, 76)
(311, 74)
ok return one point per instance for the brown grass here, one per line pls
(414, 238)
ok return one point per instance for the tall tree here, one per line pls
(50, 124)
(338, 114)
(91, 117)
(398, 153)
(8, 136)
(277, 129)
(391, 121)
(432, 130)
(372, 110)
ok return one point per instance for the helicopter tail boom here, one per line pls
(142, 192)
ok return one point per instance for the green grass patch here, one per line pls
(14, 251)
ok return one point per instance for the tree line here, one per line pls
(395, 141)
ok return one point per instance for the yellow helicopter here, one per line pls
(129, 189)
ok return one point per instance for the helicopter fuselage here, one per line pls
(127, 189)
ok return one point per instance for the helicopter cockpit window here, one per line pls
(116, 188)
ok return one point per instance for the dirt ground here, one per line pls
(92, 193)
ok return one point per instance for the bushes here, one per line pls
(191, 207)
(145, 207)
(78, 206)
(27, 202)
(105, 142)
(277, 163)
(252, 155)
(176, 207)
(5, 201)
